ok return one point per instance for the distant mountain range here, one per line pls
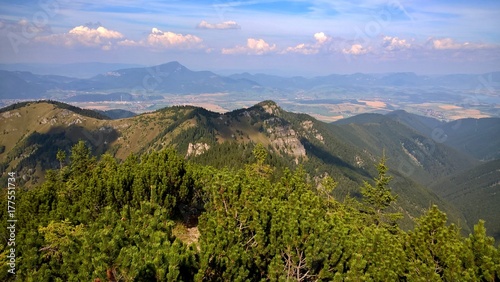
(169, 78)
(466, 81)
(427, 167)
(77, 70)
(174, 78)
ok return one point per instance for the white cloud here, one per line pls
(158, 38)
(223, 25)
(309, 49)
(254, 46)
(446, 43)
(395, 43)
(320, 37)
(100, 37)
(302, 49)
(450, 44)
(128, 42)
(356, 49)
(165, 40)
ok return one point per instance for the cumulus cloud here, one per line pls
(301, 49)
(165, 40)
(100, 37)
(309, 49)
(450, 44)
(130, 43)
(446, 43)
(320, 37)
(169, 39)
(254, 46)
(223, 25)
(92, 36)
(395, 43)
(355, 49)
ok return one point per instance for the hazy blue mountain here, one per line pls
(13, 86)
(175, 78)
(26, 85)
(78, 70)
(405, 79)
(170, 78)
(273, 81)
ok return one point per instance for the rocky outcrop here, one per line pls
(197, 149)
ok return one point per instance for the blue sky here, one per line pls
(287, 37)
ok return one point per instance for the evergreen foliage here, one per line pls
(379, 197)
(102, 220)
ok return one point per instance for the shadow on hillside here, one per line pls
(41, 148)
(330, 159)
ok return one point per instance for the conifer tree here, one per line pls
(61, 157)
(80, 158)
(379, 197)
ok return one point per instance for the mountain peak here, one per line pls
(172, 65)
(268, 103)
(397, 112)
(269, 106)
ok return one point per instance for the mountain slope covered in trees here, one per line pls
(479, 138)
(476, 193)
(448, 156)
(204, 137)
(103, 220)
(346, 151)
(413, 153)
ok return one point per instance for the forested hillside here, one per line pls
(157, 217)
(480, 138)
(203, 137)
(418, 156)
(346, 151)
(458, 160)
(476, 193)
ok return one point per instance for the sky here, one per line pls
(297, 37)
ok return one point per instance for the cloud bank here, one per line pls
(99, 37)
(223, 25)
(253, 47)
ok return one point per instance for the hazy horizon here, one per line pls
(61, 69)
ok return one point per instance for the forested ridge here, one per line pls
(293, 140)
(104, 220)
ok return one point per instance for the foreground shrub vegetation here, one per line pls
(108, 221)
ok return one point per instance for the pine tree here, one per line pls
(61, 157)
(434, 249)
(379, 197)
(483, 258)
(81, 158)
